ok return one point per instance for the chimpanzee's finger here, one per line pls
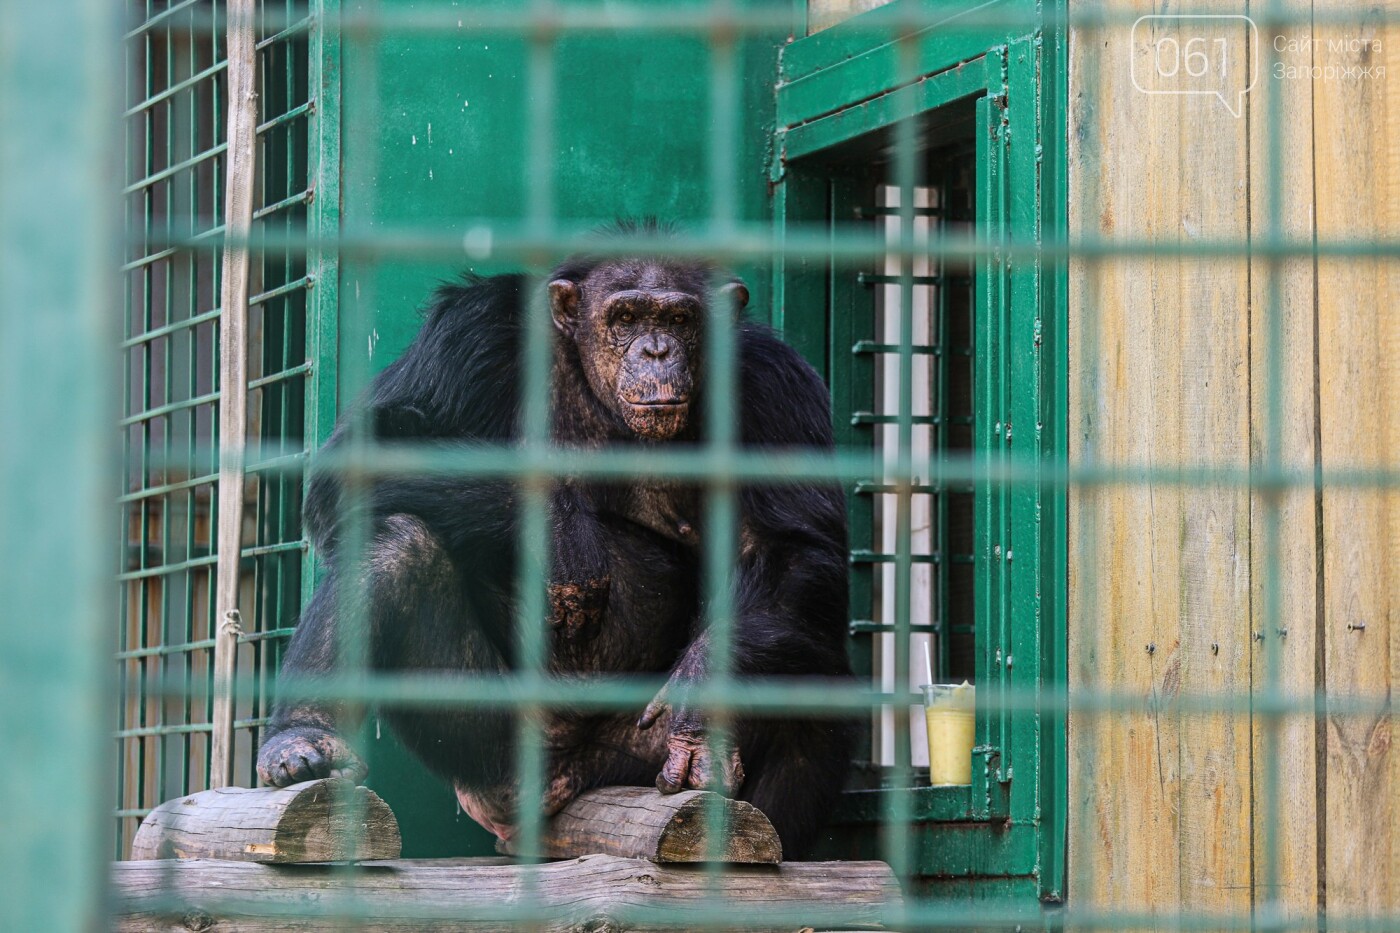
(658, 705)
(724, 775)
(675, 772)
(733, 773)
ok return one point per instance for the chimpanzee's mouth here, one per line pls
(661, 405)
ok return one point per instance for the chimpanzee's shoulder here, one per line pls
(784, 401)
(458, 377)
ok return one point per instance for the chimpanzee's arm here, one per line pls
(580, 579)
(790, 585)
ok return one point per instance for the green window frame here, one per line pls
(843, 92)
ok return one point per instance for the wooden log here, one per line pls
(640, 822)
(598, 893)
(308, 822)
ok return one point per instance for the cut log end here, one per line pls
(639, 822)
(329, 820)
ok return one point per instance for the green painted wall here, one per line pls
(434, 134)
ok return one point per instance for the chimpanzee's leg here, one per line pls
(795, 772)
(417, 618)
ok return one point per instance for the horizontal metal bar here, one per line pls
(175, 169)
(214, 151)
(293, 462)
(861, 626)
(795, 696)
(297, 28)
(870, 278)
(176, 88)
(875, 557)
(300, 198)
(866, 212)
(867, 347)
(168, 409)
(271, 634)
(199, 240)
(194, 563)
(478, 241)
(281, 376)
(165, 570)
(917, 489)
(195, 242)
(132, 813)
(306, 281)
(167, 488)
(146, 337)
(729, 20)
(291, 116)
(161, 17)
(782, 467)
(870, 417)
(164, 650)
(283, 547)
(142, 732)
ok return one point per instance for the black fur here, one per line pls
(625, 587)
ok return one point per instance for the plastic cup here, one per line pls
(950, 714)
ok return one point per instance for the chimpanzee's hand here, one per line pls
(304, 753)
(576, 607)
(689, 762)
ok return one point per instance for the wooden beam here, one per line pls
(329, 820)
(600, 892)
(239, 192)
(640, 822)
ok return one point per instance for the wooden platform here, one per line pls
(594, 893)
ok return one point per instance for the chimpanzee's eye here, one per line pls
(627, 317)
(679, 319)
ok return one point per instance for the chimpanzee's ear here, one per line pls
(563, 305)
(737, 294)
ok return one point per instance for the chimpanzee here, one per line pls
(624, 585)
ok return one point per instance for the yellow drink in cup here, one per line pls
(949, 711)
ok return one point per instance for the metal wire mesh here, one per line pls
(175, 124)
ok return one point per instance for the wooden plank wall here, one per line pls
(1171, 585)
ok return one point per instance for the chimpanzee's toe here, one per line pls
(305, 754)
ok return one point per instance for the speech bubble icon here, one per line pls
(1204, 54)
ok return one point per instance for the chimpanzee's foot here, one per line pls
(304, 753)
(494, 808)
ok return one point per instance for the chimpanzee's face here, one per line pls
(639, 329)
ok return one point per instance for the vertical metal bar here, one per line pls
(721, 433)
(943, 569)
(233, 369)
(1267, 881)
(898, 833)
(1082, 518)
(851, 310)
(58, 322)
(532, 627)
(323, 222)
(1052, 136)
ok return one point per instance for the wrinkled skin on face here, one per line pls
(638, 327)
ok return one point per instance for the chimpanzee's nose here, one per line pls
(656, 348)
